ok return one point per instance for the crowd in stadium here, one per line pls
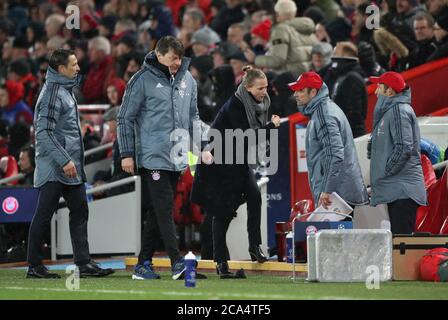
(336, 38)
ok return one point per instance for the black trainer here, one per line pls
(41, 272)
(92, 269)
(222, 269)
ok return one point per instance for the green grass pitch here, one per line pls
(14, 285)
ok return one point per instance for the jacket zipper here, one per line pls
(172, 80)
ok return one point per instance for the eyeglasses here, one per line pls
(421, 28)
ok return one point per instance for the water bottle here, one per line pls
(89, 196)
(289, 247)
(190, 272)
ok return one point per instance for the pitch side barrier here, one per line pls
(100, 165)
(237, 240)
(114, 222)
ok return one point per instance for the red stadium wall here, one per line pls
(431, 97)
(298, 180)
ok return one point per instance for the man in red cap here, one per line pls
(330, 150)
(396, 175)
(260, 34)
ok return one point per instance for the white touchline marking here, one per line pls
(180, 293)
(168, 293)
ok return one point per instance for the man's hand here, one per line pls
(249, 55)
(324, 200)
(97, 184)
(207, 157)
(275, 120)
(70, 170)
(127, 164)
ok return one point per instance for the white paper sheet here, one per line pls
(338, 205)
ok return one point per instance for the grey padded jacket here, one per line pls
(330, 151)
(154, 109)
(58, 133)
(395, 166)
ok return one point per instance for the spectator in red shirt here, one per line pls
(19, 71)
(13, 108)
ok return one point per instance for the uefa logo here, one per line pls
(10, 205)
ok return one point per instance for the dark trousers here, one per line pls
(221, 224)
(253, 210)
(402, 215)
(158, 189)
(220, 250)
(47, 204)
(207, 237)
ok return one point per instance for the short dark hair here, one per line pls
(60, 58)
(20, 66)
(362, 8)
(138, 57)
(308, 90)
(4, 125)
(31, 154)
(196, 14)
(425, 16)
(168, 43)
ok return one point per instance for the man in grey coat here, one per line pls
(159, 112)
(396, 173)
(330, 150)
(291, 41)
(60, 166)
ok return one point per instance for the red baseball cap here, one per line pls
(391, 79)
(308, 79)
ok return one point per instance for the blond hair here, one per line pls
(250, 75)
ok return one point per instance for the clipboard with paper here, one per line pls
(337, 211)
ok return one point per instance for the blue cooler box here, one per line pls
(302, 229)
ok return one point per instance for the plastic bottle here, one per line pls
(289, 244)
(190, 272)
(89, 196)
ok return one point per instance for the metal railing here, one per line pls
(93, 107)
(110, 185)
(12, 178)
(86, 154)
(19, 176)
(98, 149)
